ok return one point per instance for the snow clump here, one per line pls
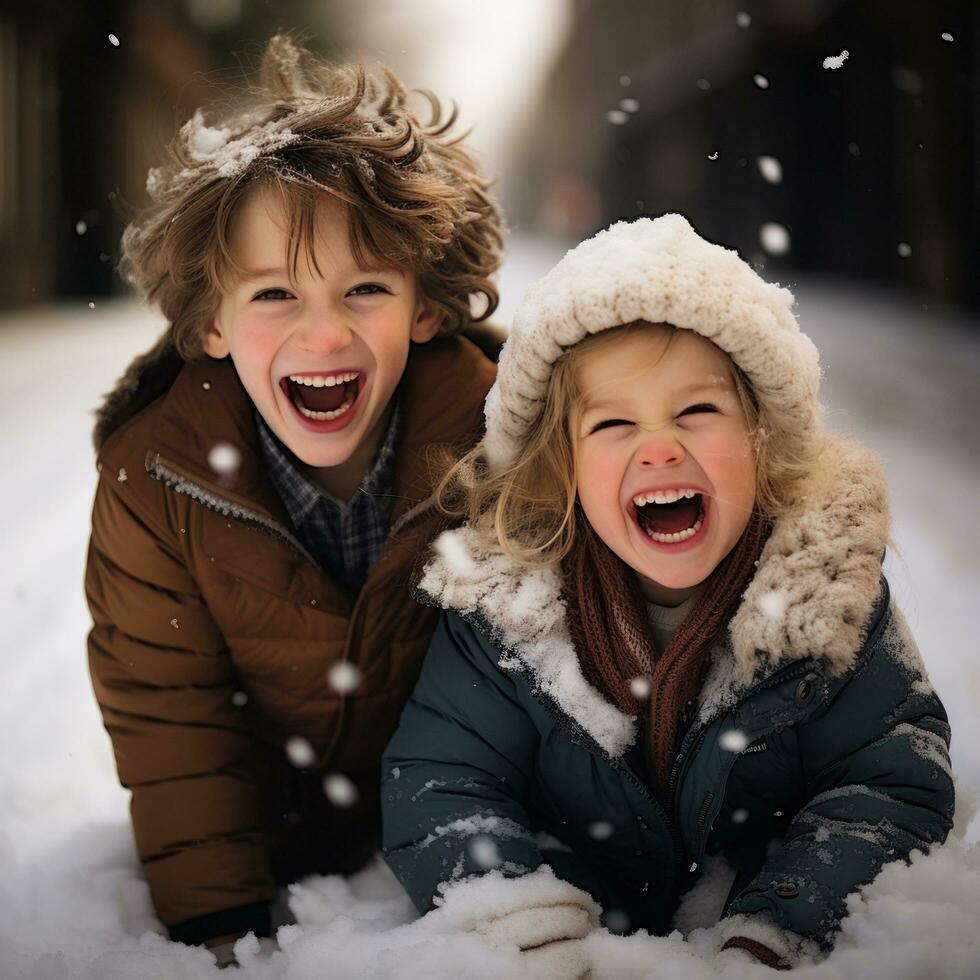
(835, 61)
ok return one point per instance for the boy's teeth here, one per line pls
(326, 416)
(319, 381)
(679, 536)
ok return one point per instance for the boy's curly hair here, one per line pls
(413, 193)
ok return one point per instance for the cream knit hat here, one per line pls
(659, 270)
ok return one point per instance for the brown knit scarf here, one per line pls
(608, 622)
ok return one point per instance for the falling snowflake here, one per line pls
(734, 741)
(239, 699)
(774, 238)
(601, 830)
(904, 249)
(742, 19)
(340, 791)
(344, 678)
(91, 305)
(454, 552)
(624, 80)
(773, 604)
(740, 816)
(703, 84)
(113, 40)
(224, 459)
(616, 920)
(300, 752)
(123, 476)
(640, 688)
(947, 37)
(485, 852)
(174, 623)
(771, 169)
(80, 227)
(629, 105)
(206, 385)
(835, 61)
(854, 149)
(713, 155)
(760, 81)
(617, 117)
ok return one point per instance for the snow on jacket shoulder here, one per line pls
(807, 767)
(214, 633)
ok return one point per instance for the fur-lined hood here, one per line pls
(815, 588)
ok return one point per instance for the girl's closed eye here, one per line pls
(608, 424)
(699, 409)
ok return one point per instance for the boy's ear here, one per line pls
(214, 342)
(427, 321)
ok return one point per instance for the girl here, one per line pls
(666, 634)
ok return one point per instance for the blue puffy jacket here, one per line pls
(819, 751)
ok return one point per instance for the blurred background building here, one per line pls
(590, 110)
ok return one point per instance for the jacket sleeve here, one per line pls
(164, 681)
(878, 785)
(456, 770)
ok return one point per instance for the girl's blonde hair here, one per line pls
(414, 197)
(528, 509)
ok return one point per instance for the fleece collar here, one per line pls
(813, 592)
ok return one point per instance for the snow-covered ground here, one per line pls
(72, 902)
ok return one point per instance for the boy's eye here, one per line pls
(607, 424)
(696, 409)
(273, 294)
(368, 289)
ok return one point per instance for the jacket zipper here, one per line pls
(179, 483)
(692, 742)
(675, 836)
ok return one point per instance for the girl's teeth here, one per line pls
(679, 536)
(319, 381)
(326, 416)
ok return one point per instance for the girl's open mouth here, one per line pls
(672, 521)
(323, 402)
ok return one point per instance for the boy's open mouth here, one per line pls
(675, 515)
(322, 398)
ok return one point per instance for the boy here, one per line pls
(263, 479)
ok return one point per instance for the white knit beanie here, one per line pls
(659, 270)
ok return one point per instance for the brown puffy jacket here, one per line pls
(215, 632)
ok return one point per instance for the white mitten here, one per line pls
(540, 915)
(562, 960)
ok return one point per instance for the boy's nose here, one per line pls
(659, 449)
(324, 333)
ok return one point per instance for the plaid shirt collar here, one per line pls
(300, 495)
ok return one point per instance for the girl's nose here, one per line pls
(659, 449)
(324, 332)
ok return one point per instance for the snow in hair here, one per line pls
(661, 271)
